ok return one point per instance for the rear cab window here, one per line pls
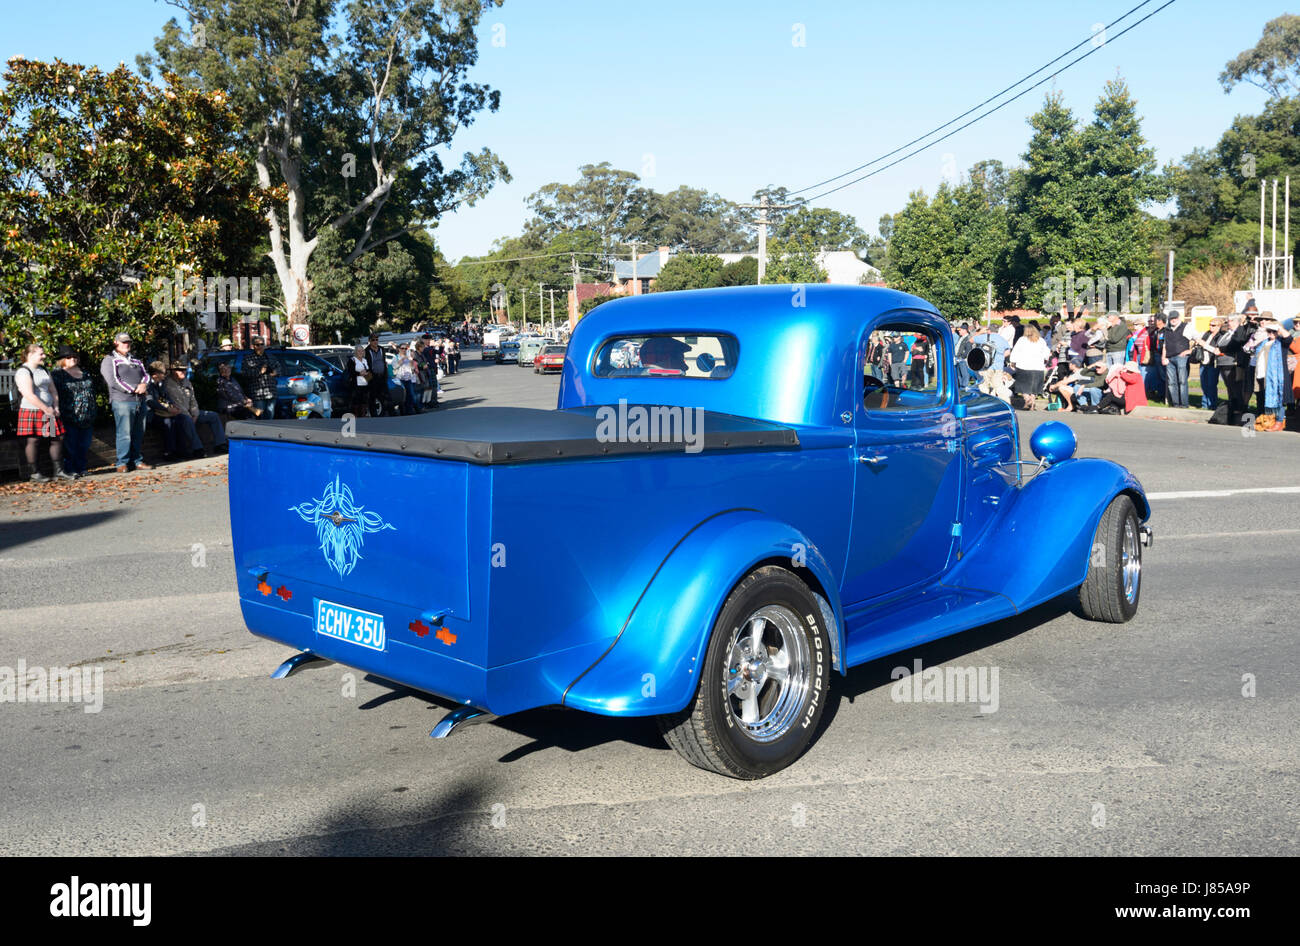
(667, 355)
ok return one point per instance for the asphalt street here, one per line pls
(1132, 739)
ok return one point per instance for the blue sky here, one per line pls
(716, 94)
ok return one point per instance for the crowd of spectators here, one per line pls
(58, 407)
(1112, 366)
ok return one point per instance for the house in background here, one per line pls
(843, 267)
(647, 271)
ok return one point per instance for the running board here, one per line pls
(296, 663)
(460, 716)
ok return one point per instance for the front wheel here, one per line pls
(764, 683)
(1114, 583)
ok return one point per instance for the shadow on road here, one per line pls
(21, 531)
(876, 673)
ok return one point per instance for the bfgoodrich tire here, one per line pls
(1114, 583)
(764, 683)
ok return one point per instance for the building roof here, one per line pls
(647, 267)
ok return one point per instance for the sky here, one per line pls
(734, 95)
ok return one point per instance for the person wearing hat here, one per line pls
(77, 409)
(127, 382)
(1175, 346)
(180, 391)
(259, 378)
(380, 402)
(227, 345)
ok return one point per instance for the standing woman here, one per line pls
(404, 370)
(1277, 379)
(1029, 358)
(1209, 363)
(76, 409)
(358, 375)
(38, 414)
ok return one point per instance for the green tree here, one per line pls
(1218, 188)
(691, 220)
(793, 260)
(825, 229)
(950, 248)
(1272, 64)
(114, 194)
(688, 271)
(604, 200)
(347, 105)
(743, 272)
(1078, 204)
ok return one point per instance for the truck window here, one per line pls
(903, 368)
(667, 356)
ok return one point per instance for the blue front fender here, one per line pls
(653, 665)
(1039, 544)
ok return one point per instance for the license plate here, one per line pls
(350, 624)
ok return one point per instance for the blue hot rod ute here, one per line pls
(758, 488)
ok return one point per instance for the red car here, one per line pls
(550, 358)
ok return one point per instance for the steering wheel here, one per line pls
(870, 382)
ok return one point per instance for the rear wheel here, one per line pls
(1114, 582)
(764, 683)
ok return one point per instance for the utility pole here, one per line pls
(763, 206)
(636, 281)
(541, 307)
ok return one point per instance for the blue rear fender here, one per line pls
(653, 666)
(1040, 543)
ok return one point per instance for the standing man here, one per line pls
(1175, 346)
(1156, 340)
(127, 382)
(1116, 340)
(377, 364)
(259, 378)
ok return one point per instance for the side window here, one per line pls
(903, 368)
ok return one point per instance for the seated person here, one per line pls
(1090, 387)
(231, 399)
(177, 426)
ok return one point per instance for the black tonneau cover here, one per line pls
(489, 435)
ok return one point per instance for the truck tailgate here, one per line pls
(373, 532)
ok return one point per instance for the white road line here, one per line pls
(1220, 493)
(1225, 535)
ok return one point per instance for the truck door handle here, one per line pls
(873, 459)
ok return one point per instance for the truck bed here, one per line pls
(496, 435)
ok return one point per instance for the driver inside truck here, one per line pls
(664, 354)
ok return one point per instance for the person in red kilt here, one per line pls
(38, 414)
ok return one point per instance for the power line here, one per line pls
(969, 110)
(516, 259)
(979, 117)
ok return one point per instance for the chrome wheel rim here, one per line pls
(767, 673)
(1131, 561)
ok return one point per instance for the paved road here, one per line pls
(1107, 740)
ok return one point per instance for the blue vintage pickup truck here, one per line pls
(760, 488)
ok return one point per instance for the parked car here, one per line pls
(782, 517)
(550, 359)
(529, 349)
(306, 385)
